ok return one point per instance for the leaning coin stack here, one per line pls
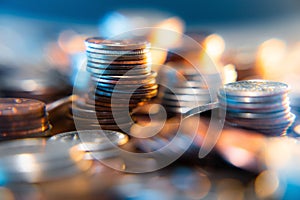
(121, 79)
(20, 118)
(35, 160)
(259, 105)
(184, 89)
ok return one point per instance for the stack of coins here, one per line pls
(36, 160)
(21, 118)
(259, 105)
(95, 144)
(121, 79)
(184, 89)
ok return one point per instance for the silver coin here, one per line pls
(187, 98)
(269, 132)
(110, 57)
(256, 88)
(152, 74)
(183, 84)
(271, 122)
(175, 109)
(184, 103)
(121, 81)
(257, 115)
(92, 140)
(102, 121)
(111, 86)
(122, 95)
(255, 106)
(262, 111)
(256, 99)
(119, 62)
(118, 52)
(100, 43)
(113, 127)
(105, 72)
(188, 91)
(126, 90)
(37, 158)
(117, 67)
(93, 113)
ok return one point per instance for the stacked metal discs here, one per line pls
(36, 160)
(259, 105)
(121, 78)
(183, 89)
(95, 144)
(21, 118)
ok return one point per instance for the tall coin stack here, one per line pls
(259, 105)
(121, 79)
(183, 89)
(20, 118)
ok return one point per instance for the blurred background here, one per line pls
(42, 50)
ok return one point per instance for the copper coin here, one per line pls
(12, 108)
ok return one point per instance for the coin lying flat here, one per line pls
(39, 160)
(92, 140)
(259, 105)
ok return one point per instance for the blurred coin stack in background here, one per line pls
(121, 79)
(34, 82)
(183, 88)
(20, 118)
(259, 105)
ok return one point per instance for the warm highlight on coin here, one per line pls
(20, 117)
(121, 79)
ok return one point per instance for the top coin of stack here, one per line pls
(121, 79)
(21, 118)
(259, 105)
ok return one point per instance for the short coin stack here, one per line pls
(121, 79)
(183, 89)
(21, 118)
(259, 105)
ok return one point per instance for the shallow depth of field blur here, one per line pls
(42, 50)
